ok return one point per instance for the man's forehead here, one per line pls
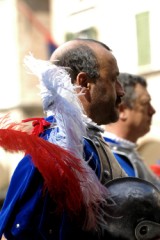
(109, 61)
(141, 90)
(143, 96)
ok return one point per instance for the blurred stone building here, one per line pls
(25, 29)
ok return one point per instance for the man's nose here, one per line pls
(152, 110)
(119, 89)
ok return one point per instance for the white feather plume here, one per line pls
(60, 99)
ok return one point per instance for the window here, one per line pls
(87, 33)
(143, 38)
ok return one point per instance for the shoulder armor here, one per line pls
(110, 168)
(140, 168)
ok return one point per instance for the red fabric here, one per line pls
(39, 124)
(156, 169)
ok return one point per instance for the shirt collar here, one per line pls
(122, 142)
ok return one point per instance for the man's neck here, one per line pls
(121, 132)
(121, 141)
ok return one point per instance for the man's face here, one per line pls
(106, 92)
(140, 116)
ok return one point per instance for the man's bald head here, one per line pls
(74, 44)
(79, 55)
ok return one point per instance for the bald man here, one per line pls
(93, 69)
(29, 212)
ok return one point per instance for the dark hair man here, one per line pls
(135, 117)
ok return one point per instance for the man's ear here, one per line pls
(82, 80)
(122, 112)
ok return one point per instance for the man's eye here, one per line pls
(114, 79)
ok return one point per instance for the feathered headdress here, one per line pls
(67, 176)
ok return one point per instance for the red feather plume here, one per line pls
(56, 165)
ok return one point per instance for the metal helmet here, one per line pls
(134, 213)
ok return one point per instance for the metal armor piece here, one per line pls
(140, 169)
(110, 168)
(135, 211)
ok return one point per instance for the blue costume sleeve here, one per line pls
(22, 196)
